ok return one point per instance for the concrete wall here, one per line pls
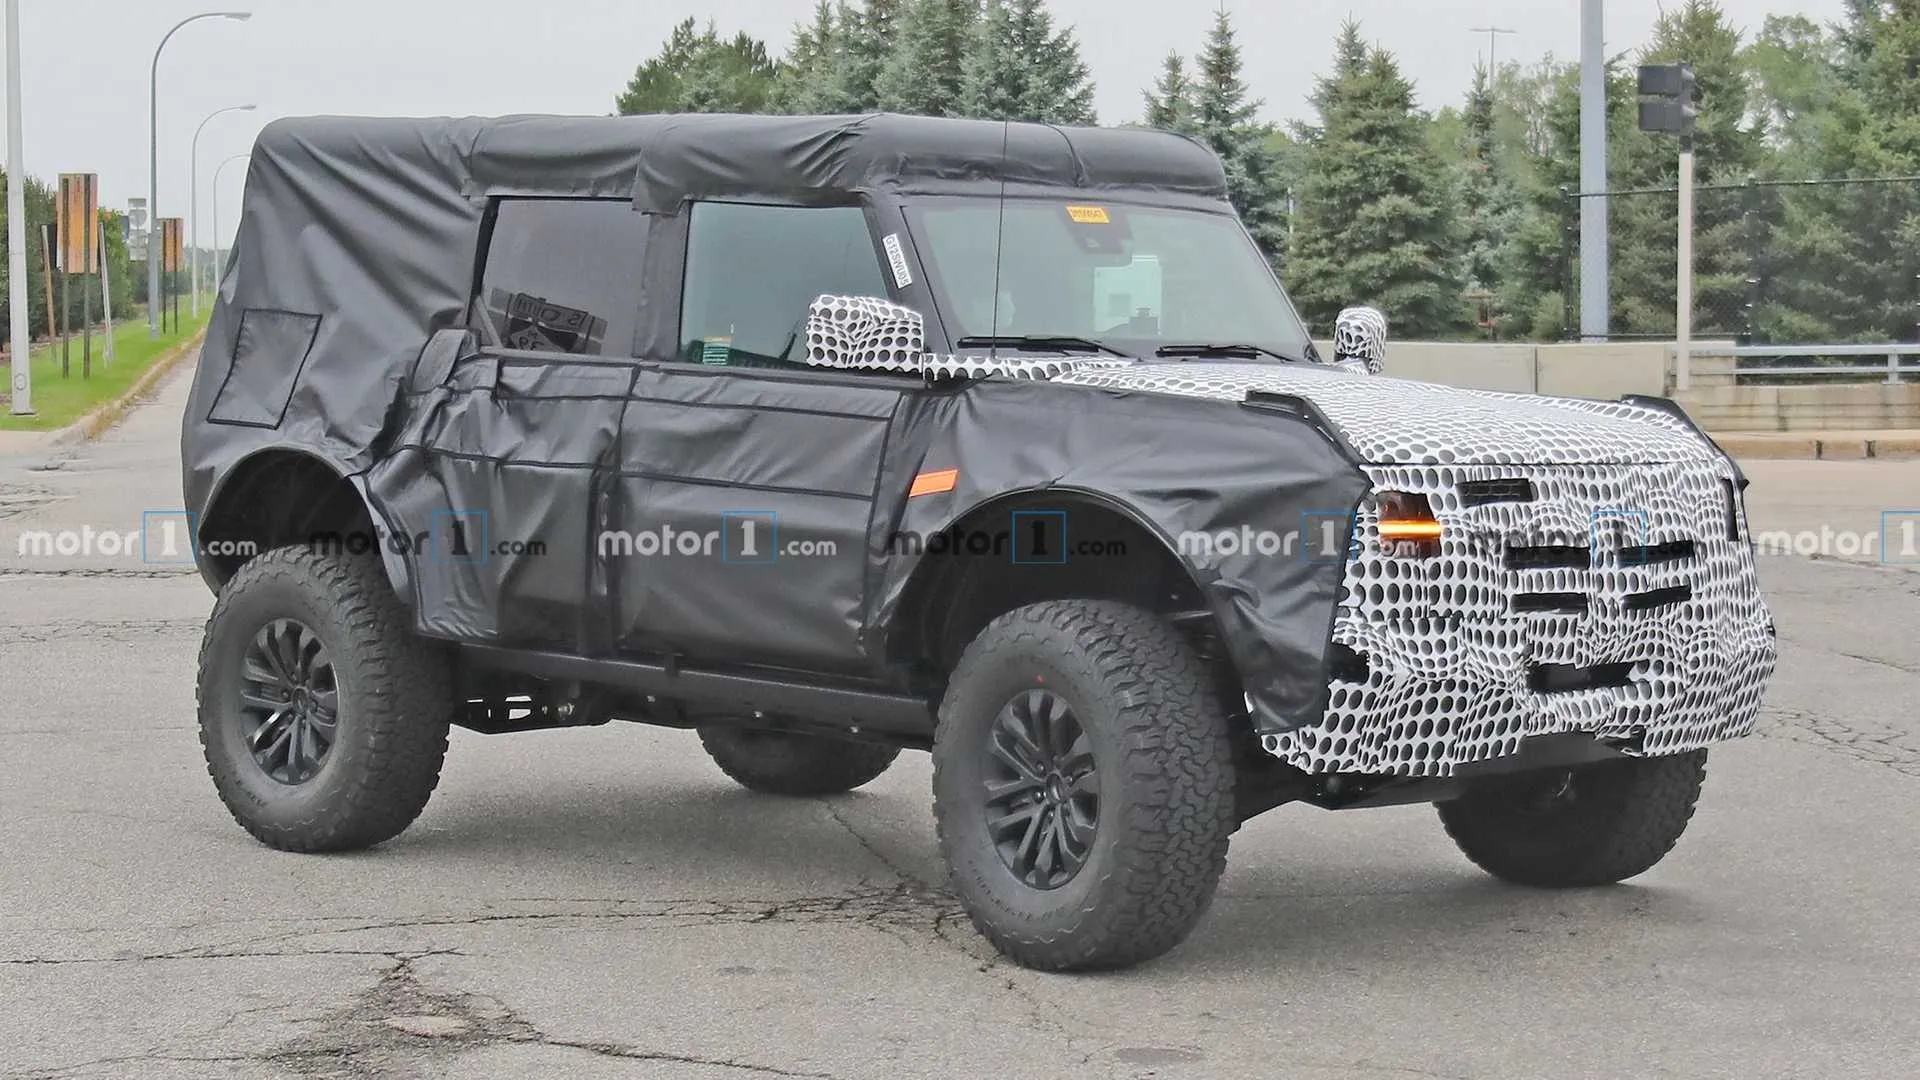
(1590, 371)
(1611, 371)
(1869, 407)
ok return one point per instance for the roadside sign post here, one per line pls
(79, 232)
(106, 296)
(66, 335)
(49, 256)
(172, 233)
(1667, 93)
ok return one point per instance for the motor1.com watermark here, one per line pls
(164, 537)
(749, 537)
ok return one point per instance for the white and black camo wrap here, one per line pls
(879, 336)
(1360, 336)
(1583, 540)
(875, 335)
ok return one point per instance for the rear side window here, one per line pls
(753, 271)
(563, 275)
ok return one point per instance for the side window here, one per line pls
(563, 275)
(752, 271)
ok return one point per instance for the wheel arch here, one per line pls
(281, 495)
(948, 598)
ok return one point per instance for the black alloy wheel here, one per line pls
(322, 714)
(1082, 784)
(1042, 790)
(290, 701)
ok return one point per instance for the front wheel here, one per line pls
(1594, 825)
(323, 716)
(1083, 785)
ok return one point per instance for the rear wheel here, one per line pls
(1594, 825)
(789, 763)
(1083, 785)
(323, 717)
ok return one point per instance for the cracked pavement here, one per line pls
(604, 903)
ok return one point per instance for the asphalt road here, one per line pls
(603, 903)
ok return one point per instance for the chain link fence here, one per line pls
(1775, 262)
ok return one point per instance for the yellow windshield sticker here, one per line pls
(1089, 215)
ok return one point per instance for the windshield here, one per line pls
(1132, 278)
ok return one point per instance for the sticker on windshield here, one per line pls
(897, 257)
(1089, 215)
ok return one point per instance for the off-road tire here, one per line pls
(791, 763)
(1615, 821)
(1163, 765)
(395, 702)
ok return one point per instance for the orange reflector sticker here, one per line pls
(934, 483)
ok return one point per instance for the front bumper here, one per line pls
(1612, 600)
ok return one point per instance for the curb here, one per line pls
(1834, 446)
(101, 420)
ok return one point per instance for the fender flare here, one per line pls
(399, 574)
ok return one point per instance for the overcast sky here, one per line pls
(87, 61)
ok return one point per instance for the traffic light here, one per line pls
(1667, 99)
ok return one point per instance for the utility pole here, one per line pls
(17, 226)
(1595, 304)
(1493, 47)
(1667, 107)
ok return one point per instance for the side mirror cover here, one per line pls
(1360, 339)
(862, 333)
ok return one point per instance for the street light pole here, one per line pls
(153, 160)
(218, 262)
(193, 210)
(17, 226)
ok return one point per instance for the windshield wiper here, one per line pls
(1231, 352)
(1043, 342)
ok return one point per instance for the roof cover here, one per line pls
(661, 161)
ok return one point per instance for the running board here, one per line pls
(873, 710)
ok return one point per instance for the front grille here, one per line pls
(1488, 492)
(1659, 598)
(1671, 551)
(1550, 603)
(1567, 679)
(1549, 557)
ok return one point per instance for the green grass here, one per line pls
(58, 401)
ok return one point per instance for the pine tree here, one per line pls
(866, 34)
(1730, 149)
(806, 80)
(1537, 253)
(1490, 203)
(1843, 261)
(1019, 68)
(1225, 118)
(698, 71)
(923, 72)
(1374, 224)
(1479, 178)
(1170, 102)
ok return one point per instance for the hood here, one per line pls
(1403, 422)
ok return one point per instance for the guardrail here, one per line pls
(1891, 360)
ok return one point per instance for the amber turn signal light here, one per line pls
(1408, 528)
